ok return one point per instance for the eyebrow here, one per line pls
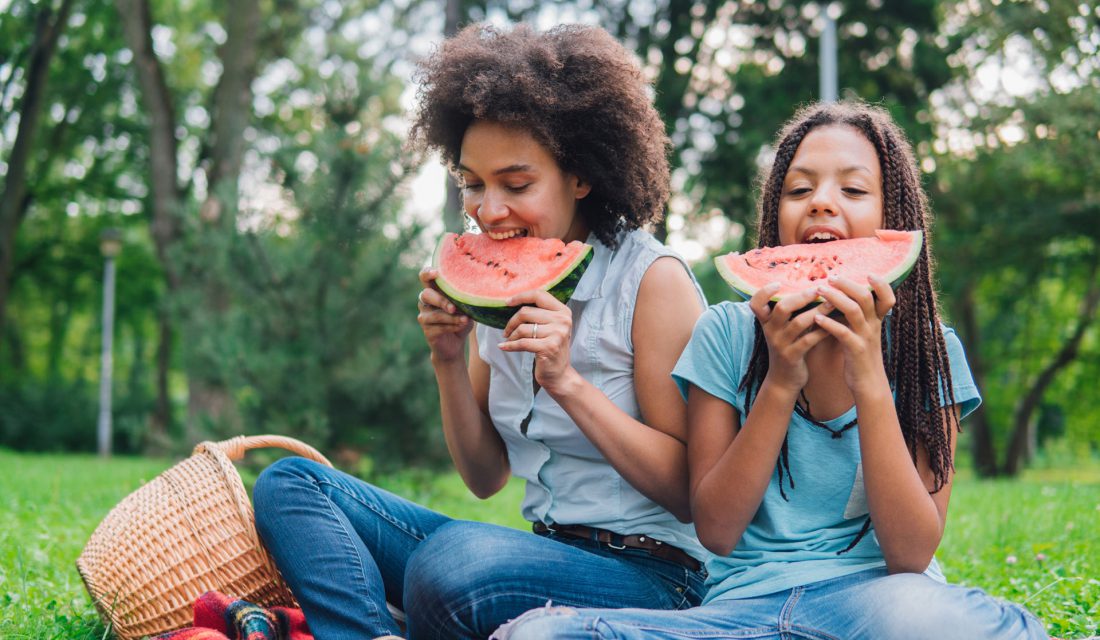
(512, 168)
(855, 168)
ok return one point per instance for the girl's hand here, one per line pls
(789, 338)
(543, 326)
(444, 325)
(860, 335)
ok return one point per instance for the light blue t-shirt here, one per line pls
(799, 540)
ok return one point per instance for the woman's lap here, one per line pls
(870, 607)
(468, 578)
(335, 538)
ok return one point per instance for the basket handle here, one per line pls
(235, 448)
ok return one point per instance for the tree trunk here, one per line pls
(452, 207)
(160, 423)
(14, 200)
(166, 225)
(981, 434)
(208, 398)
(1022, 417)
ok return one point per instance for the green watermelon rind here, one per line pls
(493, 312)
(895, 277)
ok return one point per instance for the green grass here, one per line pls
(1031, 541)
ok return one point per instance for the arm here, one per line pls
(475, 446)
(723, 454)
(909, 519)
(650, 455)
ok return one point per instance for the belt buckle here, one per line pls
(611, 544)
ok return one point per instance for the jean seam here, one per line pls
(784, 625)
(814, 632)
(361, 573)
(383, 514)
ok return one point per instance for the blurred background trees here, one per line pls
(251, 153)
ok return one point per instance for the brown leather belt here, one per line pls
(656, 548)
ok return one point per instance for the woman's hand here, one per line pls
(789, 338)
(860, 335)
(543, 326)
(445, 327)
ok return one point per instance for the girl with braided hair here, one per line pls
(821, 441)
(552, 135)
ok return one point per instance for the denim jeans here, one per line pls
(870, 605)
(346, 547)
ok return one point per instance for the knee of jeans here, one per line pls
(455, 559)
(269, 492)
(539, 624)
(911, 605)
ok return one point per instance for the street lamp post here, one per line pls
(110, 243)
(827, 69)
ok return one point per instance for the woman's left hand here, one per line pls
(543, 326)
(860, 335)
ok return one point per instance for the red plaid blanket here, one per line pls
(219, 617)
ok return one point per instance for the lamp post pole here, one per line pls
(827, 68)
(110, 243)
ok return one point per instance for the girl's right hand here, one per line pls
(789, 338)
(445, 327)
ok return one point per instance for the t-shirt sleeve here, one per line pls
(966, 392)
(710, 359)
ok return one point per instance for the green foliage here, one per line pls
(317, 336)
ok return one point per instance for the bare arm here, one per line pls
(909, 519)
(475, 446)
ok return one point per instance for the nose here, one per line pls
(492, 208)
(824, 201)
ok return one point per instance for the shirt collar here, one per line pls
(591, 283)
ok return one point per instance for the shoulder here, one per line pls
(727, 321)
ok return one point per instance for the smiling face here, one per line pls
(833, 188)
(512, 186)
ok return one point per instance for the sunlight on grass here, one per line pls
(1032, 540)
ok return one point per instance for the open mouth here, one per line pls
(818, 237)
(504, 235)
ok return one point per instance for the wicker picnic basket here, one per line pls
(188, 531)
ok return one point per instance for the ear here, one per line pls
(581, 187)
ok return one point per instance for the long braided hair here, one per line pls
(913, 346)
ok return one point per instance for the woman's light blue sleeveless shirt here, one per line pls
(568, 479)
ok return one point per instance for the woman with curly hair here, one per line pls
(552, 135)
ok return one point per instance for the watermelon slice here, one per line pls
(478, 273)
(890, 255)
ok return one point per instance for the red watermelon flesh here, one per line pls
(889, 255)
(478, 273)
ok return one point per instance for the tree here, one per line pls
(1016, 197)
(49, 23)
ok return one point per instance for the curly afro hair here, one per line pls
(576, 90)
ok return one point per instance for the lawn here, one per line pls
(1032, 540)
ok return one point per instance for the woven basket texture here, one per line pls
(188, 531)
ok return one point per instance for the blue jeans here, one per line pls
(346, 547)
(870, 605)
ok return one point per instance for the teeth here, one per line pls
(504, 235)
(821, 235)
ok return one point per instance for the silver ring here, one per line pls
(534, 331)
